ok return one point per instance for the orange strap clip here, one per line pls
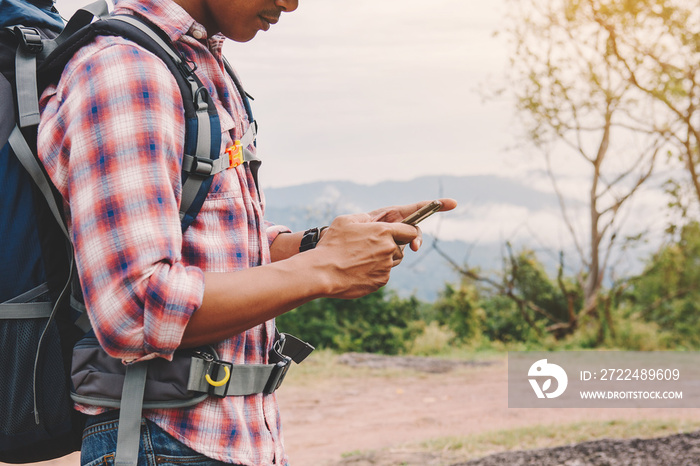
(235, 154)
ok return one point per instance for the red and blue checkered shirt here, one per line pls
(111, 138)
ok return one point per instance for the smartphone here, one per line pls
(422, 213)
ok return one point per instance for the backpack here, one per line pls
(43, 324)
(37, 325)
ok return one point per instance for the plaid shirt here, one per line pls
(111, 138)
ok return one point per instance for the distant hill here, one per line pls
(359, 197)
(423, 273)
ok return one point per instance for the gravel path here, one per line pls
(675, 450)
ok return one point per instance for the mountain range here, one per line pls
(424, 273)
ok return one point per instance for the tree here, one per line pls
(458, 309)
(521, 302)
(657, 45)
(583, 113)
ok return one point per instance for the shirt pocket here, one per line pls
(226, 185)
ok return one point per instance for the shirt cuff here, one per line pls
(173, 294)
(273, 231)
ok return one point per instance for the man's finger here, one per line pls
(404, 234)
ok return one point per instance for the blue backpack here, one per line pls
(41, 315)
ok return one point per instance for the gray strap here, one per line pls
(30, 295)
(31, 164)
(25, 310)
(82, 17)
(7, 115)
(190, 188)
(82, 322)
(203, 149)
(129, 431)
(27, 94)
(167, 404)
(248, 156)
(246, 379)
(218, 165)
(98, 9)
(249, 138)
(250, 134)
(22, 307)
(223, 163)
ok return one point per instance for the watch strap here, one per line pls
(310, 239)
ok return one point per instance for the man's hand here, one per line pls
(395, 214)
(363, 248)
(358, 254)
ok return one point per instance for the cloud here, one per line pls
(398, 79)
(497, 223)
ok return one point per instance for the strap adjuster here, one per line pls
(29, 39)
(219, 379)
(279, 372)
(202, 166)
(282, 363)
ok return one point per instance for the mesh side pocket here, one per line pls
(18, 428)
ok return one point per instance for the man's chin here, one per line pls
(242, 38)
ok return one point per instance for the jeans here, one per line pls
(156, 447)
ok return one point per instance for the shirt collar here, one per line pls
(168, 16)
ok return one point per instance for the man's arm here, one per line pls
(355, 258)
(287, 244)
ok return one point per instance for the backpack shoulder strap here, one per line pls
(32, 46)
(253, 161)
(201, 160)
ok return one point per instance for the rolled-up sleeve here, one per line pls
(111, 138)
(273, 231)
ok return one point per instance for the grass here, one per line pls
(323, 365)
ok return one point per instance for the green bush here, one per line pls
(434, 339)
(504, 321)
(458, 310)
(667, 293)
(380, 322)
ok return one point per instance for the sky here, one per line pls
(375, 90)
(369, 91)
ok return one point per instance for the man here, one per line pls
(111, 138)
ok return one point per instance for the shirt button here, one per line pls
(198, 35)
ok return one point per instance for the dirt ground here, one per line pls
(375, 414)
(386, 413)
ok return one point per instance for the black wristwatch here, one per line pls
(310, 238)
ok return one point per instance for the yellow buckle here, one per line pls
(235, 154)
(221, 382)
